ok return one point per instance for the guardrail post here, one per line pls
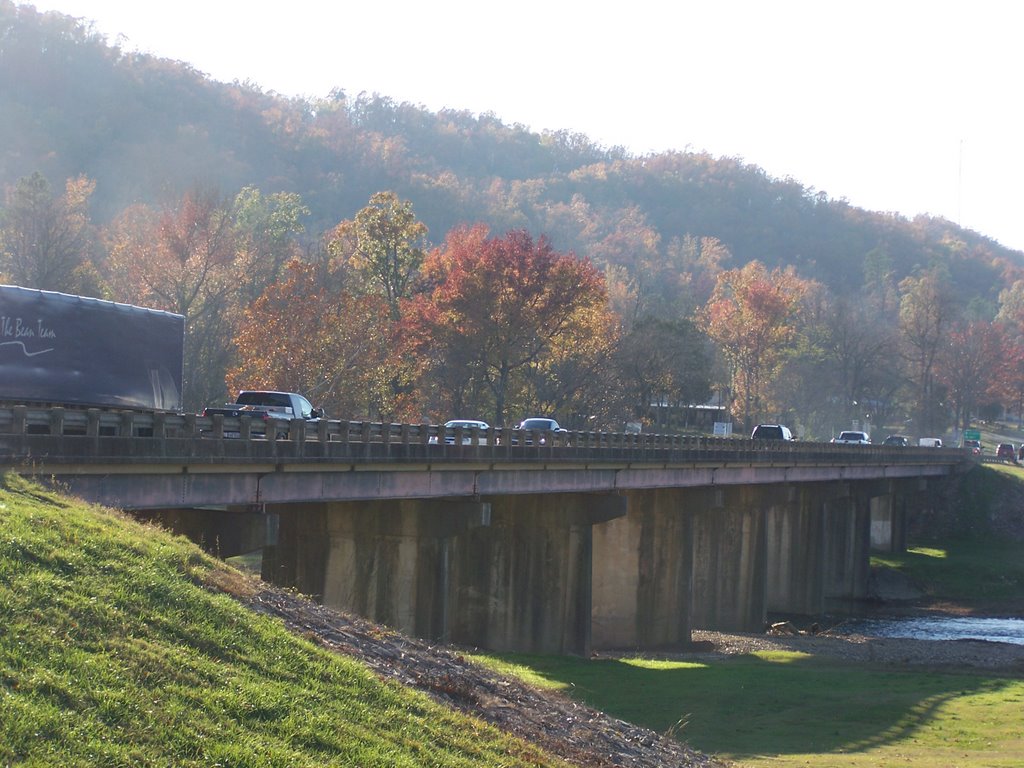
(57, 421)
(297, 431)
(323, 436)
(19, 414)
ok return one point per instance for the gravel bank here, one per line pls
(973, 654)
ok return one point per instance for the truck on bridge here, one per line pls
(58, 349)
(272, 411)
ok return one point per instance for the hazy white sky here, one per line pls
(910, 106)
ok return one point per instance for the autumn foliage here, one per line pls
(301, 336)
(499, 310)
(751, 316)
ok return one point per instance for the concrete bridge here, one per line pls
(552, 544)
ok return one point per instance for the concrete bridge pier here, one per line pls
(510, 573)
(729, 558)
(524, 583)
(847, 514)
(642, 573)
(385, 560)
(888, 517)
(796, 534)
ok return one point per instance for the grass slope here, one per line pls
(119, 647)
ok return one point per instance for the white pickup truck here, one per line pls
(270, 411)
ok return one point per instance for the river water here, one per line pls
(938, 628)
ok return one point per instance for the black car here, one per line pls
(543, 428)
(900, 441)
(771, 432)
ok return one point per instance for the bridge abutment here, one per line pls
(225, 533)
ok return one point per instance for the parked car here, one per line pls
(852, 437)
(543, 427)
(468, 425)
(1006, 451)
(974, 446)
(900, 441)
(771, 432)
(930, 442)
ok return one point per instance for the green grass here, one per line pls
(974, 571)
(974, 566)
(118, 647)
(786, 709)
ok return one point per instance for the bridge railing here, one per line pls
(68, 435)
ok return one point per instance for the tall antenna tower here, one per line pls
(959, 182)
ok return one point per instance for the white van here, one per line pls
(930, 442)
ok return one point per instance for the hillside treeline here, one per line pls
(396, 263)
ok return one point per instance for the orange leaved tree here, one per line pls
(303, 336)
(751, 317)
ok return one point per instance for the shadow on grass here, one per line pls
(776, 704)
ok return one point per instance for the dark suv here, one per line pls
(771, 432)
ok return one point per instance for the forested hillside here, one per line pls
(678, 275)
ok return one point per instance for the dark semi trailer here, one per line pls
(74, 351)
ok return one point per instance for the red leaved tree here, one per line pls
(498, 308)
(972, 365)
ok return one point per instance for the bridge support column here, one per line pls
(847, 547)
(796, 550)
(729, 558)
(392, 565)
(888, 520)
(388, 561)
(524, 583)
(643, 565)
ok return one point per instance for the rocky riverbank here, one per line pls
(1007, 658)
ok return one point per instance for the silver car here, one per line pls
(852, 437)
(468, 425)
